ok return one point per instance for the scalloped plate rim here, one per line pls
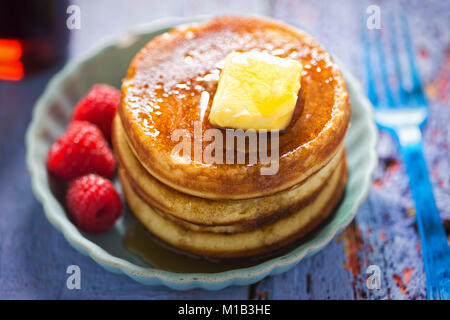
(153, 276)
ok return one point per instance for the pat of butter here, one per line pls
(256, 91)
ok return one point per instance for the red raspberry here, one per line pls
(99, 107)
(81, 150)
(93, 203)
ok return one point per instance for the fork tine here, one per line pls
(416, 92)
(398, 70)
(383, 70)
(370, 79)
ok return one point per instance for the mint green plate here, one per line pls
(108, 64)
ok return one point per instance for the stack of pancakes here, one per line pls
(228, 210)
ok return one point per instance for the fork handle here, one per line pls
(435, 249)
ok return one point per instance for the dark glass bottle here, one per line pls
(33, 36)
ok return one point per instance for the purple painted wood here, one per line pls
(34, 257)
(384, 232)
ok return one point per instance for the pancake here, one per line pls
(260, 241)
(223, 216)
(163, 88)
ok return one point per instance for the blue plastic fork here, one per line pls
(404, 116)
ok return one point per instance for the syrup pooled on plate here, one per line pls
(139, 241)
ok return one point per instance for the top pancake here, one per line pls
(164, 84)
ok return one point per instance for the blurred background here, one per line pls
(38, 37)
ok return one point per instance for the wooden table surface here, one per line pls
(34, 256)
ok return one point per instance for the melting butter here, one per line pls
(257, 91)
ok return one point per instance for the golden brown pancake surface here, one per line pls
(243, 244)
(226, 216)
(162, 90)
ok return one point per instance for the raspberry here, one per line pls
(99, 107)
(93, 203)
(81, 150)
